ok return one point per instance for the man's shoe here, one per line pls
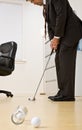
(61, 98)
(52, 97)
(58, 94)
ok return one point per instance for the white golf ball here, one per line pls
(36, 121)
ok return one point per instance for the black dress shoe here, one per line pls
(58, 94)
(52, 97)
(61, 98)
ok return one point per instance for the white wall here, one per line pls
(27, 74)
(77, 6)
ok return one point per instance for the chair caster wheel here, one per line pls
(9, 94)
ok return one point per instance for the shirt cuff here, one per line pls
(56, 37)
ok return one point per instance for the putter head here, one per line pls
(32, 99)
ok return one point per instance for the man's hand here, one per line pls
(37, 2)
(54, 43)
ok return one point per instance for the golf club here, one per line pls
(33, 99)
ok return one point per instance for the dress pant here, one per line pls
(65, 61)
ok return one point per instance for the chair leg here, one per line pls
(8, 94)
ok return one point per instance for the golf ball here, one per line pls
(36, 121)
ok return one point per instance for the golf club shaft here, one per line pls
(43, 74)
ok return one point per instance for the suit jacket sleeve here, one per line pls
(60, 7)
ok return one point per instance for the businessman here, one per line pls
(65, 30)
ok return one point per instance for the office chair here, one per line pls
(7, 61)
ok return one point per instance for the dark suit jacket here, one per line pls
(63, 22)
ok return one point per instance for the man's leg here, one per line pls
(66, 72)
(65, 67)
